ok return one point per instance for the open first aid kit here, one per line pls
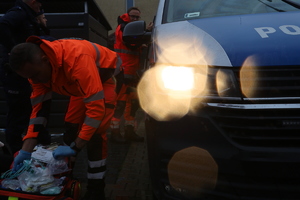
(42, 178)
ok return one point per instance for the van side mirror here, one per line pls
(135, 34)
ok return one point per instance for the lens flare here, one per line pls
(178, 78)
(166, 93)
(156, 101)
(248, 76)
(170, 89)
(192, 171)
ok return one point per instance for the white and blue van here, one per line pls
(222, 97)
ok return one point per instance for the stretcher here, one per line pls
(69, 187)
(70, 191)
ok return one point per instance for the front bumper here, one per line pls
(226, 153)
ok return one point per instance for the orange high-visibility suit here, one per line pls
(127, 97)
(82, 70)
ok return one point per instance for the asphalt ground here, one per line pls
(127, 176)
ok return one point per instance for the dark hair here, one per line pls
(133, 8)
(24, 53)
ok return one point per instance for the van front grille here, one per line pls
(259, 128)
(269, 82)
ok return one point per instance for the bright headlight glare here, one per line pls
(178, 78)
(168, 92)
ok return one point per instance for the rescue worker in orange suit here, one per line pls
(127, 101)
(84, 71)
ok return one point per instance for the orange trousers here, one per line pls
(127, 105)
(76, 115)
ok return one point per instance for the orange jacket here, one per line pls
(130, 58)
(75, 72)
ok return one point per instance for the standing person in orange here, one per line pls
(127, 101)
(84, 71)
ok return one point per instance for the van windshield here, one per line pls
(180, 10)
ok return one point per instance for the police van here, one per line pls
(222, 97)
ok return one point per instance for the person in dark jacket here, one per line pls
(42, 21)
(16, 26)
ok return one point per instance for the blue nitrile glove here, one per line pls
(63, 151)
(18, 161)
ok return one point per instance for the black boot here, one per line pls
(116, 136)
(131, 135)
(95, 190)
(93, 195)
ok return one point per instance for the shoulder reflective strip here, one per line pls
(98, 163)
(128, 76)
(97, 96)
(118, 67)
(98, 55)
(127, 51)
(41, 98)
(92, 122)
(12, 198)
(99, 175)
(38, 120)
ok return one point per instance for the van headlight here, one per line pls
(167, 91)
(198, 82)
(224, 84)
(171, 76)
(180, 81)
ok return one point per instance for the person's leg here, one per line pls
(97, 153)
(5, 157)
(6, 161)
(97, 148)
(110, 104)
(132, 105)
(118, 113)
(17, 91)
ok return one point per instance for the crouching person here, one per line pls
(84, 71)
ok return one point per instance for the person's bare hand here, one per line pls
(150, 26)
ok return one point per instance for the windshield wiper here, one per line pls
(279, 10)
(294, 4)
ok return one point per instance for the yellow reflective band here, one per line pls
(13, 198)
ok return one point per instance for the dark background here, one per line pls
(66, 18)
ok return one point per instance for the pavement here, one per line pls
(127, 176)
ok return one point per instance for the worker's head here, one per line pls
(134, 14)
(34, 4)
(41, 18)
(29, 61)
